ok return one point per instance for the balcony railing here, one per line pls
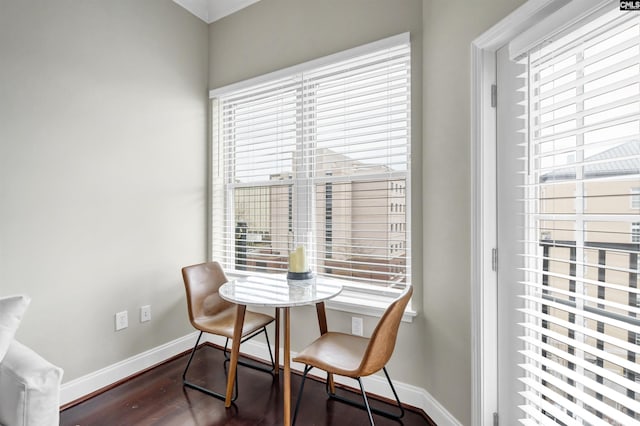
(595, 294)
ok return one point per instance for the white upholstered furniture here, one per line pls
(29, 384)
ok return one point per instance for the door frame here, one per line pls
(484, 280)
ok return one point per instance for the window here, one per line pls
(318, 155)
(580, 336)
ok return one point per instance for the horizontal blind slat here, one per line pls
(582, 280)
(544, 405)
(585, 313)
(580, 361)
(582, 380)
(567, 404)
(581, 395)
(595, 352)
(585, 297)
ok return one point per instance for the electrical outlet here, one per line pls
(122, 320)
(145, 313)
(356, 326)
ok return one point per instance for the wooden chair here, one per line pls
(209, 313)
(354, 356)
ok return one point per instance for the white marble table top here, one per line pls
(277, 291)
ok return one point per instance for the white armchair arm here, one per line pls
(30, 388)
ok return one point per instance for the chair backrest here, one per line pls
(202, 283)
(383, 338)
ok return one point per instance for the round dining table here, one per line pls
(276, 291)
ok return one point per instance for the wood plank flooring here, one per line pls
(157, 397)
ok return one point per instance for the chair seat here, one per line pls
(223, 322)
(336, 353)
(356, 357)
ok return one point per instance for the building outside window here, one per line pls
(635, 198)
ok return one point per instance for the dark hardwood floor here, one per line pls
(157, 397)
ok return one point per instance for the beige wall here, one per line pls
(103, 118)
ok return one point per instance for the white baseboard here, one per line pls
(92, 382)
(85, 385)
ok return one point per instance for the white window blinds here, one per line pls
(582, 361)
(321, 157)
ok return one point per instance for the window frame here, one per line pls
(351, 299)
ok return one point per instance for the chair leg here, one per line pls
(273, 364)
(333, 395)
(395, 394)
(366, 402)
(254, 365)
(307, 368)
(210, 392)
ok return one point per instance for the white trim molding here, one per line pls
(484, 291)
(483, 240)
(93, 382)
(212, 10)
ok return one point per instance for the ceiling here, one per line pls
(212, 10)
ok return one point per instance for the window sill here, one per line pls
(351, 301)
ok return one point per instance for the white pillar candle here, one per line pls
(298, 260)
